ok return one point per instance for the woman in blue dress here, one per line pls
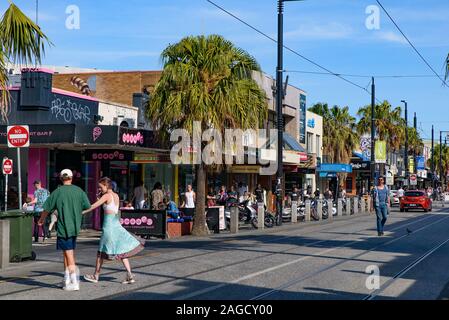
(116, 243)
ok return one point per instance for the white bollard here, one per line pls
(363, 205)
(319, 209)
(294, 211)
(348, 207)
(307, 210)
(355, 205)
(330, 209)
(339, 207)
(261, 216)
(4, 244)
(234, 220)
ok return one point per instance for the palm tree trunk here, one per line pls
(199, 223)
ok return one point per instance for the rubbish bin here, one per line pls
(20, 235)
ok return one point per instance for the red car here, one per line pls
(415, 199)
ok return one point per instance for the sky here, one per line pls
(130, 35)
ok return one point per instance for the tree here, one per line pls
(444, 159)
(340, 138)
(388, 121)
(415, 143)
(22, 41)
(206, 79)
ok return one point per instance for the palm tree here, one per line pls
(388, 123)
(206, 79)
(22, 41)
(415, 143)
(444, 158)
(340, 138)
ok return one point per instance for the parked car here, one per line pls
(394, 199)
(415, 199)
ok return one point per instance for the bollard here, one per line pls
(363, 205)
(4, 244)
(261, 215)
(370, 205)
(234, 219)
(319, 209)
(294, 211)
(348, 207)
(355, 205)
(330, 209)
(307, 210)
(339, 207)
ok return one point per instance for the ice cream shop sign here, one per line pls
(108, 155)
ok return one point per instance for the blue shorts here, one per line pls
(66, 244)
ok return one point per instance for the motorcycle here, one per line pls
(247, 214)
(287, 212)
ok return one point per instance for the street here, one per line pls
(315, 260)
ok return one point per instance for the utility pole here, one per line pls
(414, 151)
(373, 132)
(406, 145)
(441, 164)
(432, 161)
(280, 120)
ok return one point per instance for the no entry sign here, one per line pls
(18, 136)
(7, 166)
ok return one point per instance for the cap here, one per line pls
(66, 173)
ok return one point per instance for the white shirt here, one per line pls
(401, 192)
(139, 193)
(189, 200)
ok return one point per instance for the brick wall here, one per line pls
(111, 86)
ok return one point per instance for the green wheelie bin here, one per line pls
(20, 235)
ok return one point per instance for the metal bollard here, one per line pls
(330, 208)
(307, 210)
(348, 207)
(319, 209)
(339, 207)
(363, 205)
(261, 216)
(234, 220)
(4, 244)
(355, 205)
(294, 211)
(370, 205)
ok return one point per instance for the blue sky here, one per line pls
(129, 35)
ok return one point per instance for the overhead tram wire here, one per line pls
(362, 76)
(411, 44)
(289, 49)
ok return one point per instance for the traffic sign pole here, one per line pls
(19, 172)
(6, 192)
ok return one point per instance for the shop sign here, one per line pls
(244, 169)
(45, 134)
(91, 134)
(420, 163)
(152, 158)
(311, 123)
(356, 166)
(108, 155)
(380, 153)
(137, 138)
(144, 222)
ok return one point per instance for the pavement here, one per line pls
(315, 260)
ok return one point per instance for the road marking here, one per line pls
(255, 274)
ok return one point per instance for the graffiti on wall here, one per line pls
(72, 110)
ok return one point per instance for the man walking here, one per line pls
(381, 202)
(69, 201)
(40, 196)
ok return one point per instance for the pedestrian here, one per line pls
(189, 201)
(294, 195)
(140, 194)
(328, 194)
(116, 243)
(40, 196)
(259, 192)
(233, 196)
(211, 197)
(400, 193)
(317, 193)
(222, 196)
(381, 202)
(157, 196)
(70, 201)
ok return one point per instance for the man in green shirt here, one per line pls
(69, 201)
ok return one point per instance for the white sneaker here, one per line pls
(71, 287)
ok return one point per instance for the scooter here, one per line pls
(247, 214)
(300, 208)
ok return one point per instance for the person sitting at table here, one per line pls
(127, 205)
(172, 208)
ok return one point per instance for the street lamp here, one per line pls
(441, 157)
(406, 144)
(279, 96)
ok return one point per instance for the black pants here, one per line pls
(36, 228)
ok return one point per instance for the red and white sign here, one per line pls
(7, 166)
(18, 136)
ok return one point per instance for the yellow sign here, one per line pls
(411, 165)
(151, 158)
(244, 169)
(381, 152)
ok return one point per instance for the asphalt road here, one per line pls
(315, 260)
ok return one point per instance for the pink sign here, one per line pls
(132, 138)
